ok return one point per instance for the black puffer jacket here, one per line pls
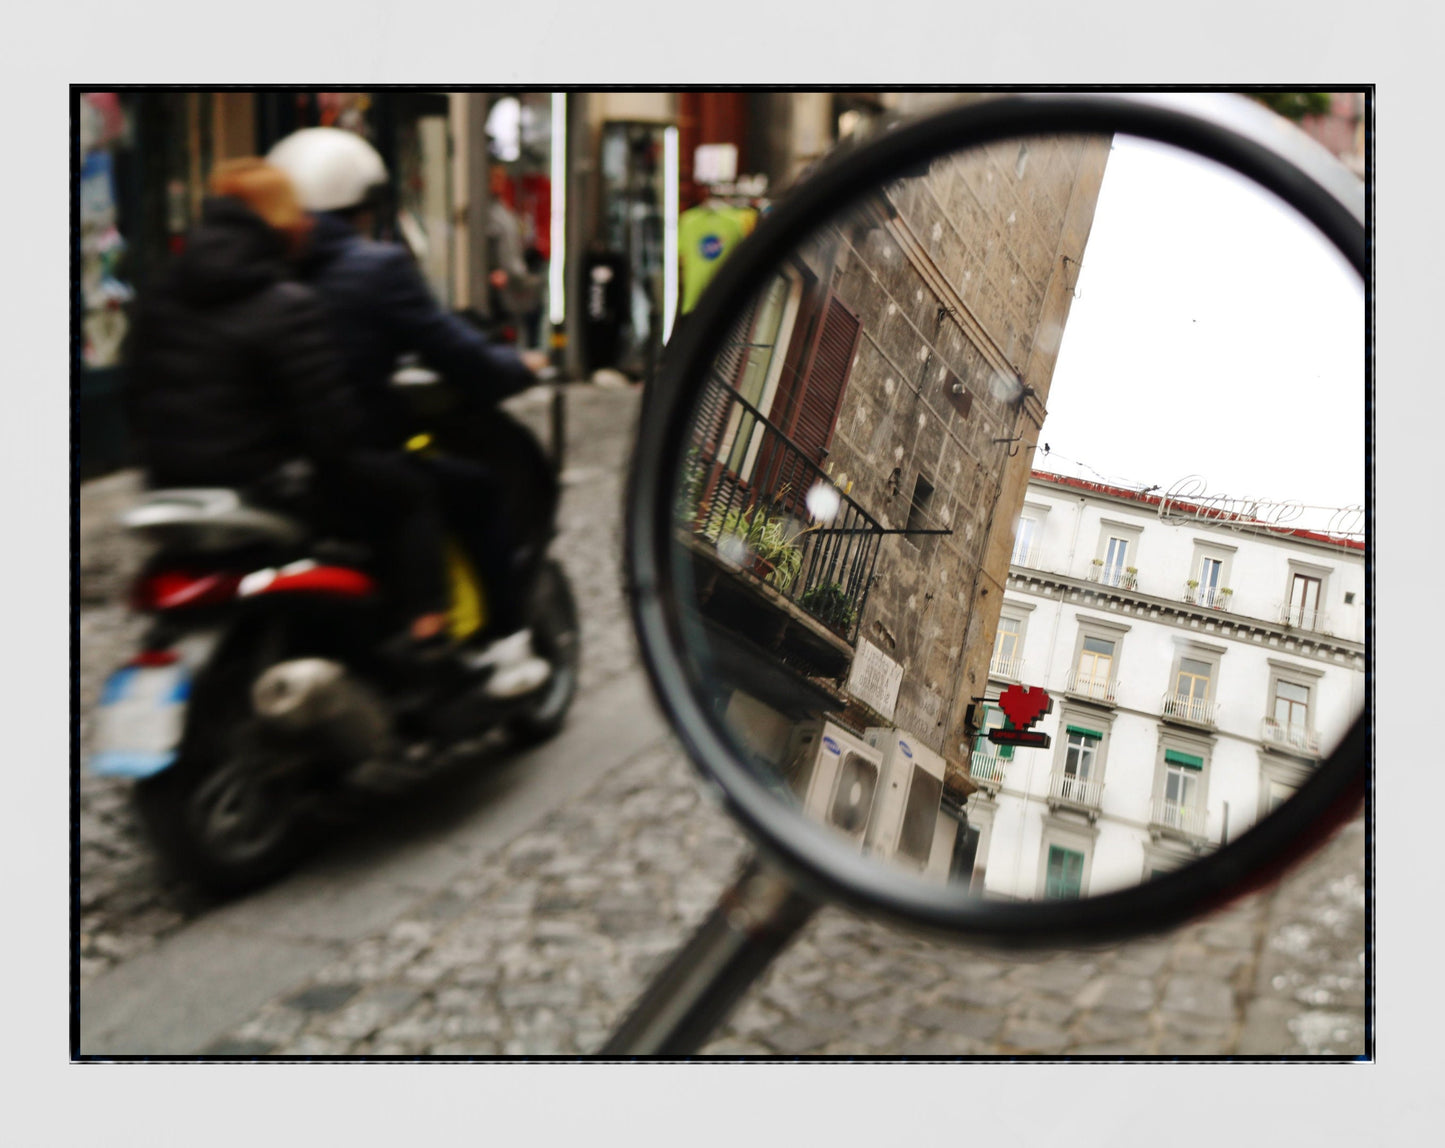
(231, 367)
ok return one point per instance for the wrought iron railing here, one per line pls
(1209, 597)
(1097, 689)
(1183, 819)
(1005, 668)
(745, 490)
(1071, 790)
(1296, 737)
(986, 769)
(1200, 711)
(1301, 618)
(1119, 576)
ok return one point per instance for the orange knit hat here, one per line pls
(264, 189)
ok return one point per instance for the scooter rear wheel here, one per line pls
(555, 637)
(225, 816)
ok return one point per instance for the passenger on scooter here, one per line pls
(383, 310)
(234, 376)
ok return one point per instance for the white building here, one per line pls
(1198, 669)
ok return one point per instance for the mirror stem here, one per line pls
(751, 924)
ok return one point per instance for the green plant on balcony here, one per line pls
(775, 554)
(830, 604)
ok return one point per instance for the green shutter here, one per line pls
(1093, 733)
(1188, 760)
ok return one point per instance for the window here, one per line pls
(1292, 708)
(1192, 682)
(1304, 601)
(1082, 745)
(919, 515)
(1096, 664)
(1116, 557)
(1065, 876)
(1008, 647)
(1025, 535)
(1211, 581)
(1180, 789)
(993, 718)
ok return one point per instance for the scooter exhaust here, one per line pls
(316, 700)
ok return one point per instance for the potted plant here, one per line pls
(1098, 567)
(1221, 601)
(830, 604)
(1190, 588)
(1131, 577)
(761, 541)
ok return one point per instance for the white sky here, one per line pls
(1215, 333)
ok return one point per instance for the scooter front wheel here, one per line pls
(555, 637)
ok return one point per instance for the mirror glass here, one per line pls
(1061, 441)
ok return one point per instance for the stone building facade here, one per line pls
(904, 356)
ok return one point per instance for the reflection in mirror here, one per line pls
(1017, 531)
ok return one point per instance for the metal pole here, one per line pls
(751, 924)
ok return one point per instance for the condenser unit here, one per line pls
(909, 825)
(836, 775)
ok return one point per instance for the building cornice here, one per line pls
(1192, 620)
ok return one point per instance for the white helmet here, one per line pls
(331, 168)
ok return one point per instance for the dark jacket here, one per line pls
(232, 368)
(383, 309)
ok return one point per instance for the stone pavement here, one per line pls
(126, 902)
(541, 950)
(540, 947)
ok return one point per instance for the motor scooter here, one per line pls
(833, 654)
(261, 703)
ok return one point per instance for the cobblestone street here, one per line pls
(539, 946)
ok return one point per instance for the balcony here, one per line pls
(1072, 792)
(1193, 711)
(986, 770)
(1290, 738)
(1026, 556)
(1008, 669)
(1297, 617)
(745, 496)
(1121, 577)
(1101, 690)
(1171, 819)
(1208, 597)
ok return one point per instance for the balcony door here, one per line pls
(1096, 667)
(1116, 560)
(1304, 600)
(760, 360)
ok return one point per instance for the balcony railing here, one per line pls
(1005, 668)
(986, 770)
(1291, 737)
(1119, 576)
(1209, 597)
(745, 488)
(1199, 711)
(1095, 689)
(1080, 792)
(1184, 820)
(1299, 618)
(1025, 556)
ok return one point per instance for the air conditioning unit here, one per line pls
(836, 777)
(909, 825)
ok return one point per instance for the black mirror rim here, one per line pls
(1236, 134)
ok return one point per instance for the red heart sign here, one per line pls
(1024, 705)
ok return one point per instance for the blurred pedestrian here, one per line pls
(235, 376)
(382, 310)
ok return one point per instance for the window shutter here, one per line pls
(1093, 733)
(827, 377)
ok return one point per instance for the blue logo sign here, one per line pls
(711, 246)
(903, 745)
(832, 746)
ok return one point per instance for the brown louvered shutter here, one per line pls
(817, 409)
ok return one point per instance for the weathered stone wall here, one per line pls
(967, 281)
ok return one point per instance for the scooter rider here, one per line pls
(383, 309)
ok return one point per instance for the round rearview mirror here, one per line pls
(997, 536)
